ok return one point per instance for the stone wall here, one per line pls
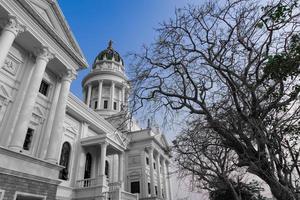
(12, 184)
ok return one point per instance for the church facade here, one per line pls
(54, 145)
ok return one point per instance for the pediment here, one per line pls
(117, 139)
(44, 12)
(50, 13)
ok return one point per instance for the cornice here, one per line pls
(100, 72)
(28, 176)
(29, 158)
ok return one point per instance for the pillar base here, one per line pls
(102, 182)
(16, 149)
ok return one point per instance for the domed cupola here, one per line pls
(108, 54)
(106, 87)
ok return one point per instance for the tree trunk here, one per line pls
(279, 191)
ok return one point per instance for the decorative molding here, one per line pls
(69, 75)
(13, 25)
(44, 53)
(4, 95)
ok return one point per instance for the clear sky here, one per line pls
(130, 24)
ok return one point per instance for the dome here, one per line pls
(109, 54)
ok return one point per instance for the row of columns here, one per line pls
(158, 173)
(43, 55)
(100, 90)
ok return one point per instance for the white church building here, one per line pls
(53, 145)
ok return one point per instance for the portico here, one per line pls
(100, 178)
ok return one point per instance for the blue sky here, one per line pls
(129, 23)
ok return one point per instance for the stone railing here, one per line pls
(129, 196)
(89, 182)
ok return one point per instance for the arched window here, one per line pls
(106, 168)
(88, 166)
(64, 160)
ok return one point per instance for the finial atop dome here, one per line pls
(110, 43)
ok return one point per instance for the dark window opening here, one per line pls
(147, 160)
(149, 188)
(87, 169)
(115, 105)
(88, 166)
(135, 187)
(28, 139)
(44, 87)
(106, 168)
(105, 105)
(64, 161)
(162, 193)
(96, 104)
(154, 166)
(156, 192)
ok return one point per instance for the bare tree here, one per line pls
(200, 154)
(236, 65)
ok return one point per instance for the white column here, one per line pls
(144, 183)
(99, 94)
(164, 179)
(169, 183)
(8, 35)
(88, 100)
(121, 169)
(45, 139)
(112, 95)
(42, 59)
(158, 175)
(151, 172)
(57, 127)
(120, 100)
(103, 158)
(123, 95)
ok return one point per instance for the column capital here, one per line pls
(13, 25)
(69, 75)
(100, 81)
(104, 144)
(44, 53)
(150, 149)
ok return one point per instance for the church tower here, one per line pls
(106, 87)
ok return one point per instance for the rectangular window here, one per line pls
(115, 105)
(44, 87)
(154, 166)
(147, 160)
(96, 104)
(105, 104)
(135, 187)
(28, 139)
(156, 192)
(149, 188)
